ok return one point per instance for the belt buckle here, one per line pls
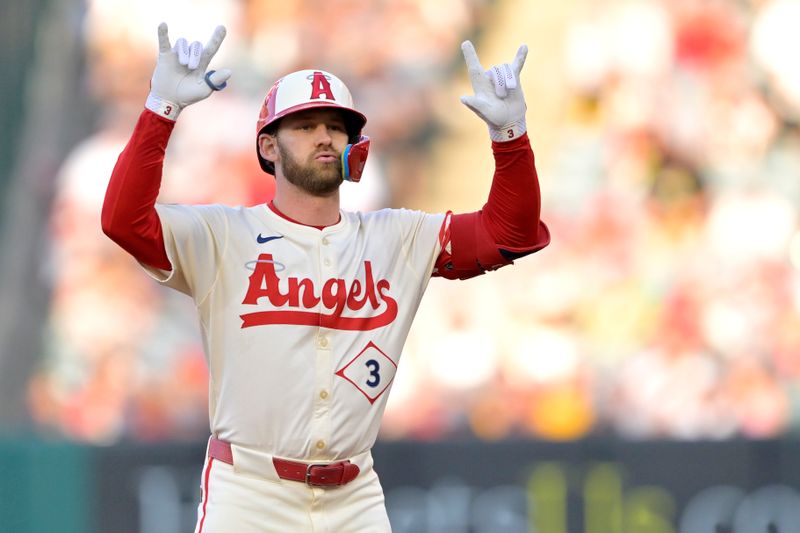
(308, 474)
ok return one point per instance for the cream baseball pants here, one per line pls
(249, 497)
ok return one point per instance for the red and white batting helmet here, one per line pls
(308, 89)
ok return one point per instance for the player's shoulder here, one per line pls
(387, 215)
(400, 221)
(242, 215)
(211, 215)
(212, 210)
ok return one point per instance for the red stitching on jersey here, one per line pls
(445, 237)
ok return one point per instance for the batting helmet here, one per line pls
(308, 89)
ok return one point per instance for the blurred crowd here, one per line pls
(667, 305)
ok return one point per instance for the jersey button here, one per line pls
(325, 241)
(327, 262)
(320, 444)
(323, 342)
(323, 394)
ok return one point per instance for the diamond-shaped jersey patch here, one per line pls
(371, 371)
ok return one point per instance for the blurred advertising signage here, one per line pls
(591, 486)
(598, 503)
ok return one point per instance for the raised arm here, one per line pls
(180, 79)
(508, 226)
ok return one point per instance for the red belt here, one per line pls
(315, 475)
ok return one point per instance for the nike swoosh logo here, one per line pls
(262, 240)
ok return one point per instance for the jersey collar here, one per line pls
(278, 212)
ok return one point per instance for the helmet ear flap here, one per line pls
(354, 157)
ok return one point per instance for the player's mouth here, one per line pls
(326, 157)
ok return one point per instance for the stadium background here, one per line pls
(650, 355)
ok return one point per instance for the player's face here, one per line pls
(310, 145)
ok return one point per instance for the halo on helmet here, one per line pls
(301, 90)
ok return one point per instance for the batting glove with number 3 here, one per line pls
(498, 97)
(180, 78)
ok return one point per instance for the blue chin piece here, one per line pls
(346, 163)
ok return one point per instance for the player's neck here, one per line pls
(306, 208)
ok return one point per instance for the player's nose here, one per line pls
(322, 135)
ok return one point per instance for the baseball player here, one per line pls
(303, 307)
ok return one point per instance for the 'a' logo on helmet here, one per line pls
(320, 87)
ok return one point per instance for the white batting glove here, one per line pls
(498, 97)
(180, 78)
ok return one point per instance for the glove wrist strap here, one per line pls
(509, 132)
(162, 107)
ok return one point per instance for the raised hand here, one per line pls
(181, 77)
(498, 97)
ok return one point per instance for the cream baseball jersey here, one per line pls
(302, 328)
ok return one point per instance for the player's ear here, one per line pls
(268, 147)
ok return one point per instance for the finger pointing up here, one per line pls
(471, 58)
(163, 38)
(519, 59)
(212, 46)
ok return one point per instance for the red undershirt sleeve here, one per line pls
(508, 226)
(129, 216)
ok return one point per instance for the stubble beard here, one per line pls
(315, 178)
